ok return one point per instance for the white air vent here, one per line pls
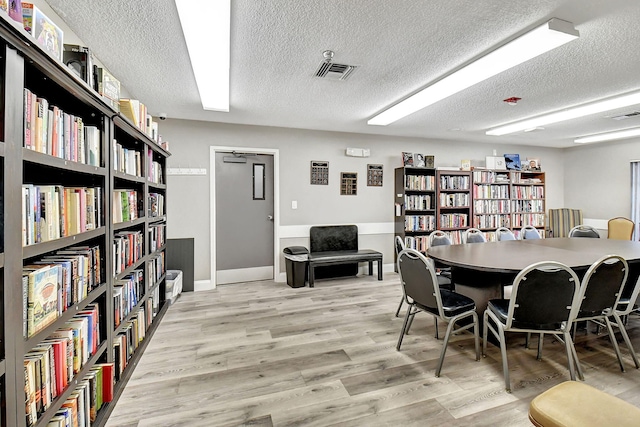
(333, 71)
(625, 115)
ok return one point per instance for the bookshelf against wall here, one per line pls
(90, 271)
(491, 201)
(415, 205)
(528, 200)
(454, 203)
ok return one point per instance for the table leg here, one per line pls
(370, 268)
(311, 275)
(379, 269)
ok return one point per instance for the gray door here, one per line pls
(244, 217)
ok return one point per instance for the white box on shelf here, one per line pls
(174, 285)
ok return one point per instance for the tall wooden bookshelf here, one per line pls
(528, 200)
(454, 203)
(415, 205)
(24, 65)
(491, 201)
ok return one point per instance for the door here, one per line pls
(244, 217)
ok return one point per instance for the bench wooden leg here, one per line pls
(370, 268)
(312, 270)
(379, 269)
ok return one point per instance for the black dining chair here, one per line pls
(529, 232)
(624, 307)
(503, 233)
(473, 235)
(584, 231)
(543, 300)
(399, 246)
(420, 283)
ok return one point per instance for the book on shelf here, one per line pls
(42, 296)
(108, 87)
(512, 161)
(79, 60)
(407, 159)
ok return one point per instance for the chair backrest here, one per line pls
(473, 235)
(529, 232)
(419, 280)
(545, 295)
(627, 307)
(602, 285)
(560, 221)
(399, 244)
(324, 238)
(439, 238)
(503, 233)
(620, 228)
(584, 231)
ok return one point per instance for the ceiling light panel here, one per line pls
(542, 39)
(609, 136)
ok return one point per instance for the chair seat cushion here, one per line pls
(573, 403)
(454, 303)
(500, 307)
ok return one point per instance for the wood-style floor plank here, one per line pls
(265, 354)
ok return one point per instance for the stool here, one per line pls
(573, 403)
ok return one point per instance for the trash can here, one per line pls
(296, 258)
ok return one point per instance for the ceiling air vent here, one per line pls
(625, 115)
(331, 70)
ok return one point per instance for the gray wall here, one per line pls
(598, 178)
(188, 196)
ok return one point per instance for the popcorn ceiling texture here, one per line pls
(399, 47)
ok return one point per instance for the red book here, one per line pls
(108, 381)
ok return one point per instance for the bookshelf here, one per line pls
(454, 203)
(528, 200)
(61, 225)
(415, 205)
(491, 201)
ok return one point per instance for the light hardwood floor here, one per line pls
(265, 354)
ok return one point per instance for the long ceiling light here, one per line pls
(209, 48)
(568, 114)
(542, 39)
(609, 136)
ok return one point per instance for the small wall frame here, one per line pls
(319, 172)
(374, 175)
(348, 183)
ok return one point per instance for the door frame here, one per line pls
(212, 203)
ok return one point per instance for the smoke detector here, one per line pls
(512, 101)
(331, 70)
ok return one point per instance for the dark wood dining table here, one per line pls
(481, 270)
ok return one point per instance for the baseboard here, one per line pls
(244, 275)
(203, 285)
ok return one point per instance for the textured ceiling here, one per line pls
(399, 47)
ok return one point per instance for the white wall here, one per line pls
(371, 209)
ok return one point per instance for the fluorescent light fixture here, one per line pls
(568, 114)
(542, 39)
(609, 136)
(206, 25)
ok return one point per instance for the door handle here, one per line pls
(270, 217)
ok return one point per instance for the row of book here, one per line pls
(489, 177)
(535, 192)
(454, 182)
(490, 191)
(49, 130)
(126, 160)
(535, 206)
(492, 221)
(155, 173)
(491, 206)
(534, 219)
(56, 282)
(127, 250)
(133, 332)
(125, 205)
(156, 205)
(454, 220)
(157, 236)
(418, 202)
(137, 113)
(420, 182)
(155, 268)
(52, 365)
(419, 222)
(126, 294)
(450, 200)
(50, 212)
(419, 243)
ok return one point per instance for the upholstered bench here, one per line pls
(337, 245)
(573, 403)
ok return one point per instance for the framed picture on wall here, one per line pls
(374, 175)
(348, 183)
(319, 172)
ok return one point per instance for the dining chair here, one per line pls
(529, 232)
(543, 300)
(600, 292)
(503, 233)
(399, 246)
(620, 228)
(624, 306)
(419, 280)
(561, 220)
(473, 235)
(584, 231)
(440, 238)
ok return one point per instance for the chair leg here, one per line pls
(505, 363)
(485, 328)
(410, 322)
(399, 306)
(404, 327)
(576, 361)
(625, 336)
(444, 348)
(476, 334)
(540, 342)
(568, 343)
(527, 340)
(614, 341)
(435, 322)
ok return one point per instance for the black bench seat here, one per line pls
(319, 259)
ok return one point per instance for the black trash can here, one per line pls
(296, 264)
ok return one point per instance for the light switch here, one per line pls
(294, 204)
